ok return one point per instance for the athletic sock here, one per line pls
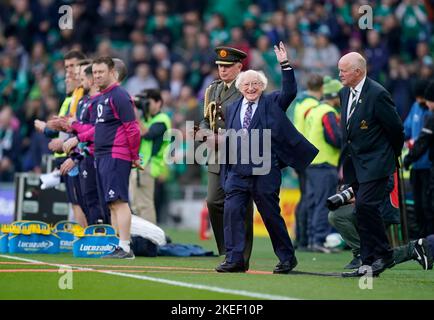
(125, 245)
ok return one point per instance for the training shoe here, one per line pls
(422, 254)
(119, 253)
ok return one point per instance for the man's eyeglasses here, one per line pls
(254, 84)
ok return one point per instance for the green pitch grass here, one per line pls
(169, 277)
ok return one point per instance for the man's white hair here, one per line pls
(258, 74)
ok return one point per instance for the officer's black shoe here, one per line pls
(355, 263)
(359, 272)
(379, 265)
(230, 267)
(285, 266)
(422, 254)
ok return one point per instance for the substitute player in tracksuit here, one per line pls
(68, 107)
(117, 142)
(84, 131)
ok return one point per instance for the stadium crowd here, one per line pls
(170, 45)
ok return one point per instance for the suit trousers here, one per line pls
(215, 203)
(301, 211)
(373, 238)
(265, 193)
(344, 220)
(420, 221)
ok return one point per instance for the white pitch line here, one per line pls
(165, 281)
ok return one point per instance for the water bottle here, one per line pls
(73, 172)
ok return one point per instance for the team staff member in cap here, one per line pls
(218, 96)
(425, 142)
(373, 136)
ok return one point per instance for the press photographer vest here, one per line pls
(300, 109)
(69, 107)
(63, 110)
(314, 132)
(157, 165)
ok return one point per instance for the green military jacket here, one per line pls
(215, 103)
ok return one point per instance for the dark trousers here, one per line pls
(215, 203)
(101, 199)
(301, 212)
(265, 193)
(421, 220)
(373, 239)
(322, 182)
(89, 192)
(344, 220)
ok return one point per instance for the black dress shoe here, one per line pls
(359, 272)
(286, 266)
(355, 263)
(230, 267)
(379, 265)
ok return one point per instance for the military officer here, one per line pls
(218, 96)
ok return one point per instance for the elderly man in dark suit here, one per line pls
(279, 144)
(373, 136)
(218, 95)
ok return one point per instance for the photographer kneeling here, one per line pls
(343, 218)
(153, 125)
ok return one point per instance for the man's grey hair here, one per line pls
(259, 75)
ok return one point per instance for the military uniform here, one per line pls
(217, 97)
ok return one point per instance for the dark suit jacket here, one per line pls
(289, 146)
(375, 136)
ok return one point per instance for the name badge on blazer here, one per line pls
(363, 125)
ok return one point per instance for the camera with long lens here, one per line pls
(340, 199)
(142, 102)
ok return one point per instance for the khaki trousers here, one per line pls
(142, 186)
